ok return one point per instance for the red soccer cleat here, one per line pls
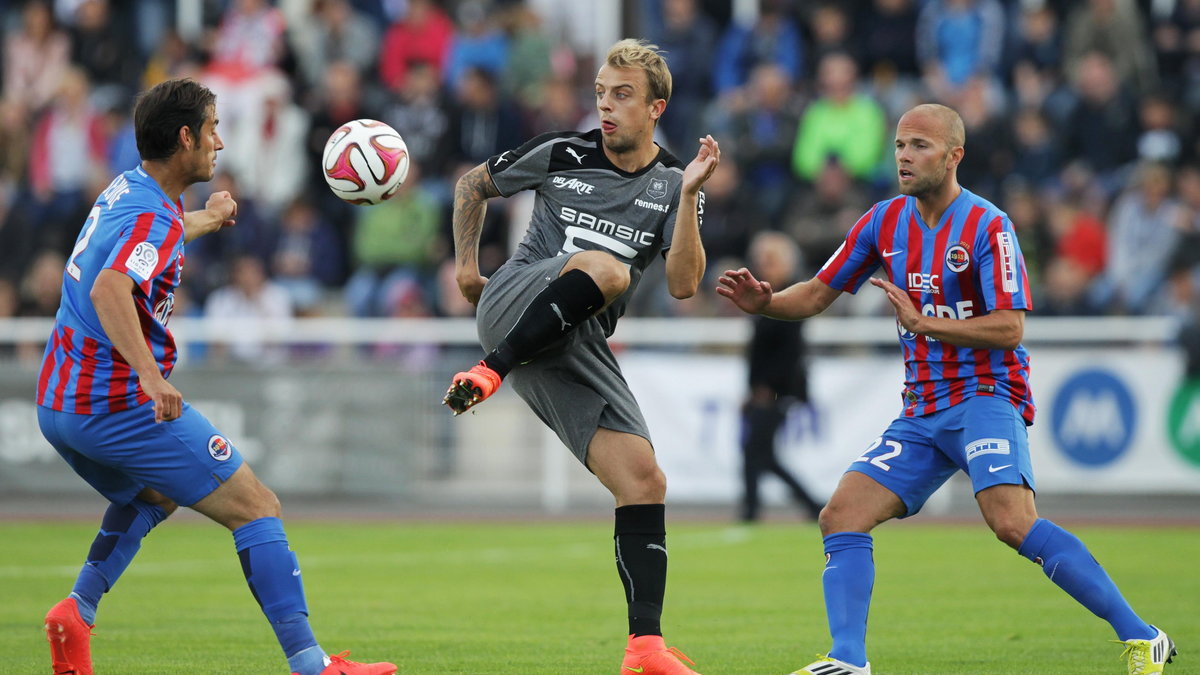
(649, 655)
(340, 665)
(471, 387)
(70, 639)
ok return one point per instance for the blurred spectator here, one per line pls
(831, 30)
(990, 159)
(1038, 40)
(424, 34)
(688, 39)
(41, 289)
(888, 39)
(529, 50)
(559, 111)
(1184, 268)
(266, 151)
(478, 43)
(778, 379)
(333, 32)
(1113, 28)
(957, 41)
(248, 40)
(68, 154)
(1028, 217)
(10, 300)
(482, 123)
(172, 57)
(840, 123)
(305, 257)
(35, 57)
(773, 38)
(1036, 155)
(1145, 227)
(1162, 137)
(1102, 126)
(394, 242)
(250, 294)
(419, 112)
(100, 46)
(822, 215)
(727, 225)
(763, 134)
(1176, 40)
(1080, 255)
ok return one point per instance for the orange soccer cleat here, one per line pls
(340, 665)
(649, 655)
(471, 387)
(70, 639)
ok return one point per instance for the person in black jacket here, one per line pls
(778, 378)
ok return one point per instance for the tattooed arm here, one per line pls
(470, 203)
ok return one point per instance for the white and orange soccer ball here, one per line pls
(365, 161)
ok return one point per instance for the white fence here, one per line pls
(352, 407)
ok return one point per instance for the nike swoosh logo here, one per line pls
(635, 670)
(994, 469)
(888, 254)
(295, 573)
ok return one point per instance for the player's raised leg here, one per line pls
(625, 464)
(587, 282)
(252, 512)
(1011, 513)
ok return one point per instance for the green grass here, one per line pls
(545, 599)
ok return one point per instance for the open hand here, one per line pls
(703, 166)
(749, 294)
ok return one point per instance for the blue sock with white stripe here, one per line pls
(117, 542)
(1070, 565)
(848, 579)
(273, 574)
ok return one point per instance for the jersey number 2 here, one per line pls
(92, 221)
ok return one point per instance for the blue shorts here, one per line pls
(121, 453)
(984, 436)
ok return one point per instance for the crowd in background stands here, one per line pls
(1081, 123)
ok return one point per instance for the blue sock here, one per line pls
(848, 579)
(1069, 565)
(273, 574)
(119, 538)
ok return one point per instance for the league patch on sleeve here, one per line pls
(143, 260)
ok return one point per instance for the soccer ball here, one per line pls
(365, 162)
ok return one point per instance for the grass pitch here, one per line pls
(544, 599)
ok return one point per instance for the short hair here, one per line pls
(955, 133)
(163, 109)
(631, 53)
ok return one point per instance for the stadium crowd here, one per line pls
(1081, 123)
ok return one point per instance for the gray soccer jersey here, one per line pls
(585, 203)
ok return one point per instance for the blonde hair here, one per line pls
(631, 53)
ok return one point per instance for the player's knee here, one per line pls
(648, 485)
(1010, 532)
(610, 276)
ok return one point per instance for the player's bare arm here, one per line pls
(112, 296)
(219, 211)
(798, 301)
(685, 259)
(470, 204)
(1001, 329)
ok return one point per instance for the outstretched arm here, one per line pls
(218, 212)
(798, 301)
(685, 258)
(470, 204)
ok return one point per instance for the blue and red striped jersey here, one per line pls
(969, 265)
(136, 229)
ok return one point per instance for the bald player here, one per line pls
(954, 274)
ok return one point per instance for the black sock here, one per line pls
(640, 538)
(561, 306)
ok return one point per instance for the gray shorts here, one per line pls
(575, 386)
